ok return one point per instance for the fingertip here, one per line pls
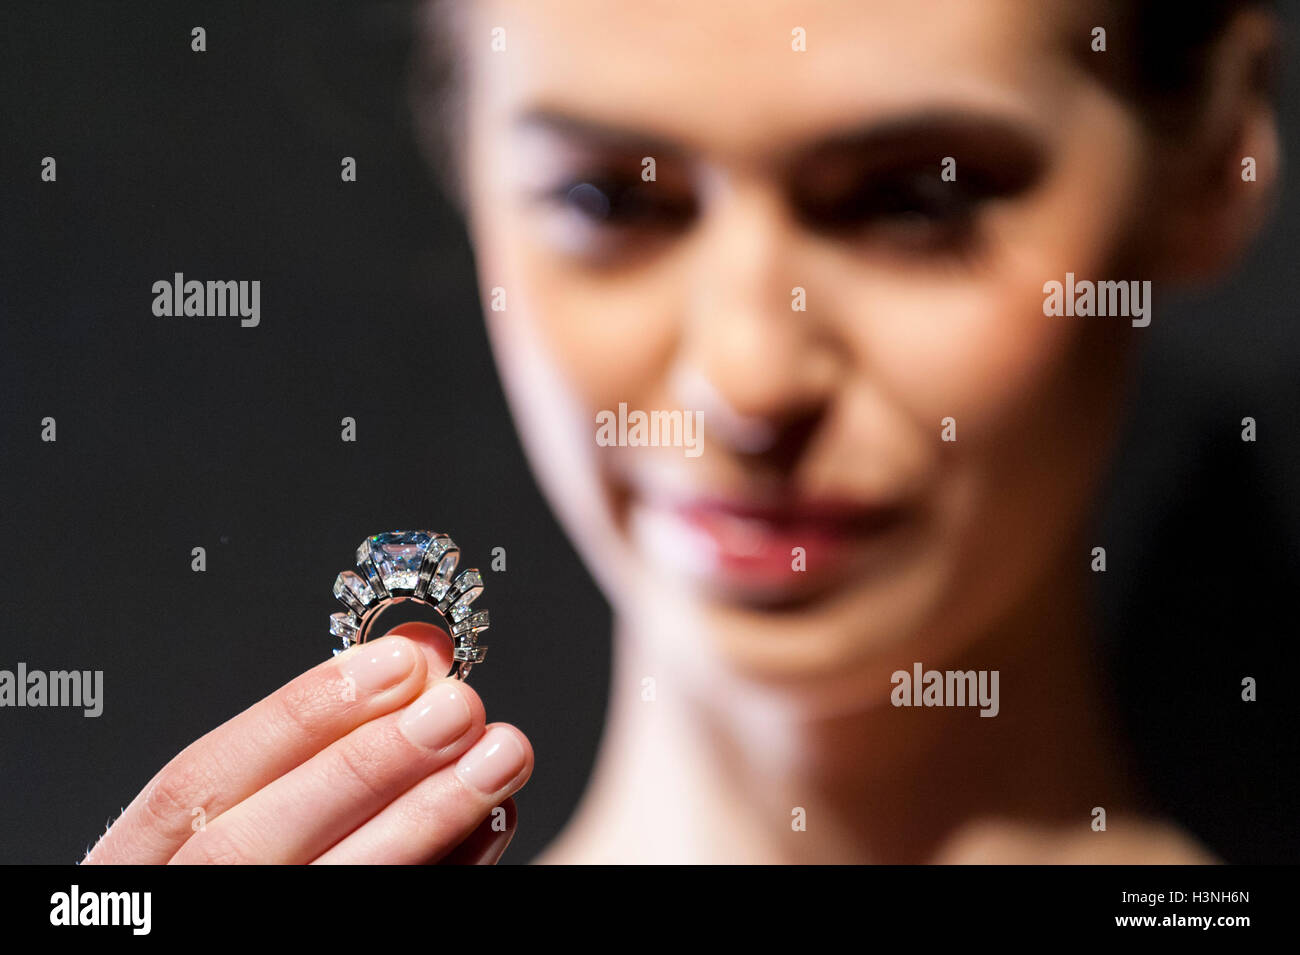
(489, 840)
(497, 848)
(476, 707)
(524, 743)
(512, 813)
(433, 641)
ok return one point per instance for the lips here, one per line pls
(773, 550)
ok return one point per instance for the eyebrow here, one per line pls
(942, 124)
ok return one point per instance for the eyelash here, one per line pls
(904, 197)
(606, 201)
(910, 208)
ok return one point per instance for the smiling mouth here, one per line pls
(769, 552)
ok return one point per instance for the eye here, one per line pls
(623, 202)
(609, 219)
(908, 199)
(905, 203)
(916, 199)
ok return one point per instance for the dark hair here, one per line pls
(1167, 66)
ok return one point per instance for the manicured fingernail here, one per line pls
(495, 760)
(439, 717)
(379, 665)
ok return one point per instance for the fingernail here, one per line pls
(495, 760)
(379, 665)
(439, 717)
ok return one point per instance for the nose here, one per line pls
(762, 370)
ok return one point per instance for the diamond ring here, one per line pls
(411, 565)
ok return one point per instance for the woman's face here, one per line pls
(819, 524)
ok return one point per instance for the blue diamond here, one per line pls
(397, 556)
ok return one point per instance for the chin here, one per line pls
(827, 651)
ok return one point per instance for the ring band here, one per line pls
(397, 566)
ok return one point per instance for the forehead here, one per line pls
(724, 74)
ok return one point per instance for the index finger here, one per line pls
(272, 737)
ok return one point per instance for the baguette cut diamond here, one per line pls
(477, 623)
(344, 625)
(469, 584)
(439, 564)
(349, 585)
(466, 590)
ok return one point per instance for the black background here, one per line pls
(176, 433)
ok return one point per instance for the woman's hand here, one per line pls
(373, 756)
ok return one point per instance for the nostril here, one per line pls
(790, 439)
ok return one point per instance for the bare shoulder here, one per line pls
(1125, 841)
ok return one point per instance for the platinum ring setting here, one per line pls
(397, 566)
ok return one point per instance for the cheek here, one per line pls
(611, 336)
(973, 352)
(973, 342)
